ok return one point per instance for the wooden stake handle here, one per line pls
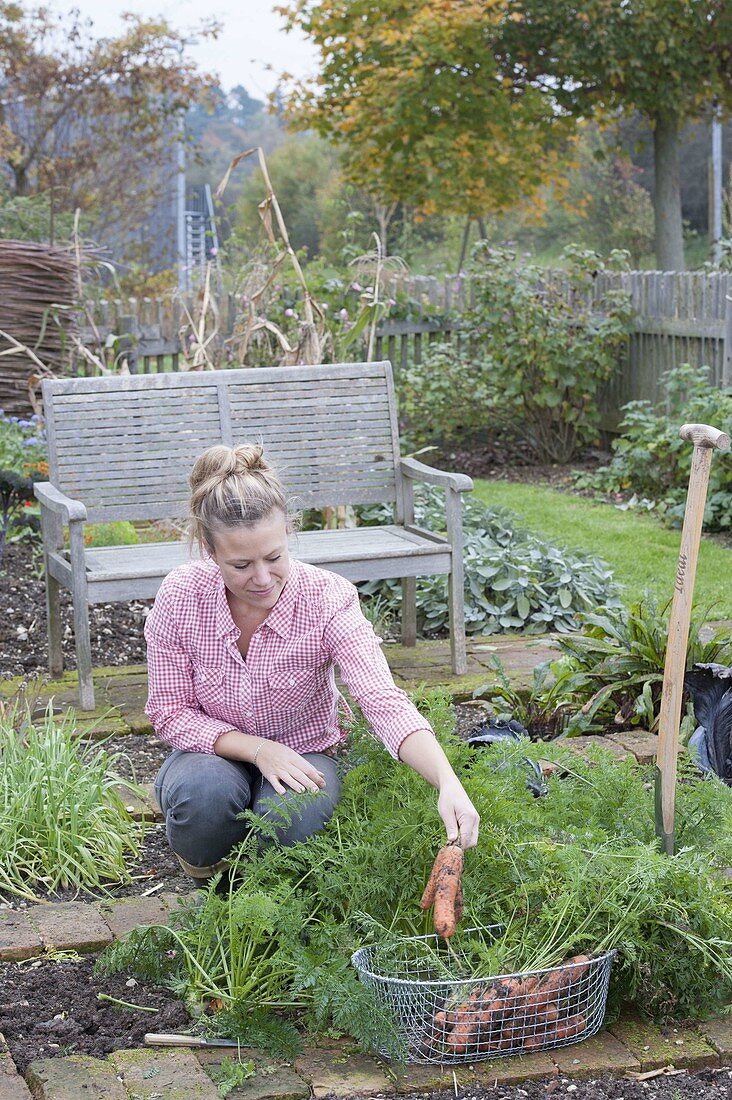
(705, 439)
(704, 435)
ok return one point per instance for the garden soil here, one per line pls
(708, 1084)
(50, 1009)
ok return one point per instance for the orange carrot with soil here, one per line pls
(444, 891)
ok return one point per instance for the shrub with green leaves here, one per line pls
(22, 461)
(445, 398)
(577, 870)
(652, 462)
(548, 345)
(63, 820)
(513, 579)
(609, 677)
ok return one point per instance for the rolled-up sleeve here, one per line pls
(351, 643)
(171, 704)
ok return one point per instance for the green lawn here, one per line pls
(642, 554)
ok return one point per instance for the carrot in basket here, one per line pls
(558, 981)
(571, 1027)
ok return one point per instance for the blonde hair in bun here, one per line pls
(231, 487)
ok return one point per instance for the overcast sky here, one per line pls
(252, 37)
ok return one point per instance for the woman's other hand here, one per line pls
(283, 768)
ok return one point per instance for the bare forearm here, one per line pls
(235, 745)
(423, 752)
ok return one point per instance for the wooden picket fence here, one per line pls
(680, 317)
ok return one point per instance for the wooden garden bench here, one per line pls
(122, 447)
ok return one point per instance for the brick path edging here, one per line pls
(335, 1069)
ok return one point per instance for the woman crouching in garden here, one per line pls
(242, 651)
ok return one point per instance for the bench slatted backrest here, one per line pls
(125, 445)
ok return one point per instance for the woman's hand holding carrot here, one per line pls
(458, 813)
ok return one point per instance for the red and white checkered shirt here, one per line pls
(200, 686)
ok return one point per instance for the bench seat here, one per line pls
(358, 554)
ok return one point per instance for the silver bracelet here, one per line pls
(256, 751)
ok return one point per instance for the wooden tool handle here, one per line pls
(160, 1040)
(705, 439)
(704, 435)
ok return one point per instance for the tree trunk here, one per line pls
(667, 197)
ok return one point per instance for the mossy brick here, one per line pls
(599, 1054)
(655, 1047)
(70, 926)
(718, 1033)
(98, 725)
(128, 672)
(12, 1085)
(586, 745)
(337, 1070)
(272, 1080)
(137, 722)
(457, 687)
(172, 1074)
(512, 1071)
(18, 938)
(642, 745)
(74, 1077)
(124, 915)
(143, 806)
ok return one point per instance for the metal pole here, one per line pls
(715, 220)
(181, 207)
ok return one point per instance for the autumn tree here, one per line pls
(666, 59)
(87, 121)
(415, 98)
(463, 105)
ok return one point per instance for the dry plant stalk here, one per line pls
(196, 343)
(314, 335)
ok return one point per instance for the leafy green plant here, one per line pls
(513, 580)
(116, 533)
(653, 463)
(444, 398)
(22, 461)
(63, 821)
(577, 870)
(230, 1073)
(548, 344)
(609, 677)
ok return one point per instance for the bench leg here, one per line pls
(409, 611)
(83, 655)
(53, 620)
(456, 603)
(81, 616)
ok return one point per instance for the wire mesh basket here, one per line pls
(445, 1019)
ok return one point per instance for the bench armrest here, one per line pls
(417, 471)
(52, 498)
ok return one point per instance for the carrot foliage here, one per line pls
(576, 871)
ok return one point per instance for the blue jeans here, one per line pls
(201, 796)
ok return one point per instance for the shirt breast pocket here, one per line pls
(292, 687)
(207, 682)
